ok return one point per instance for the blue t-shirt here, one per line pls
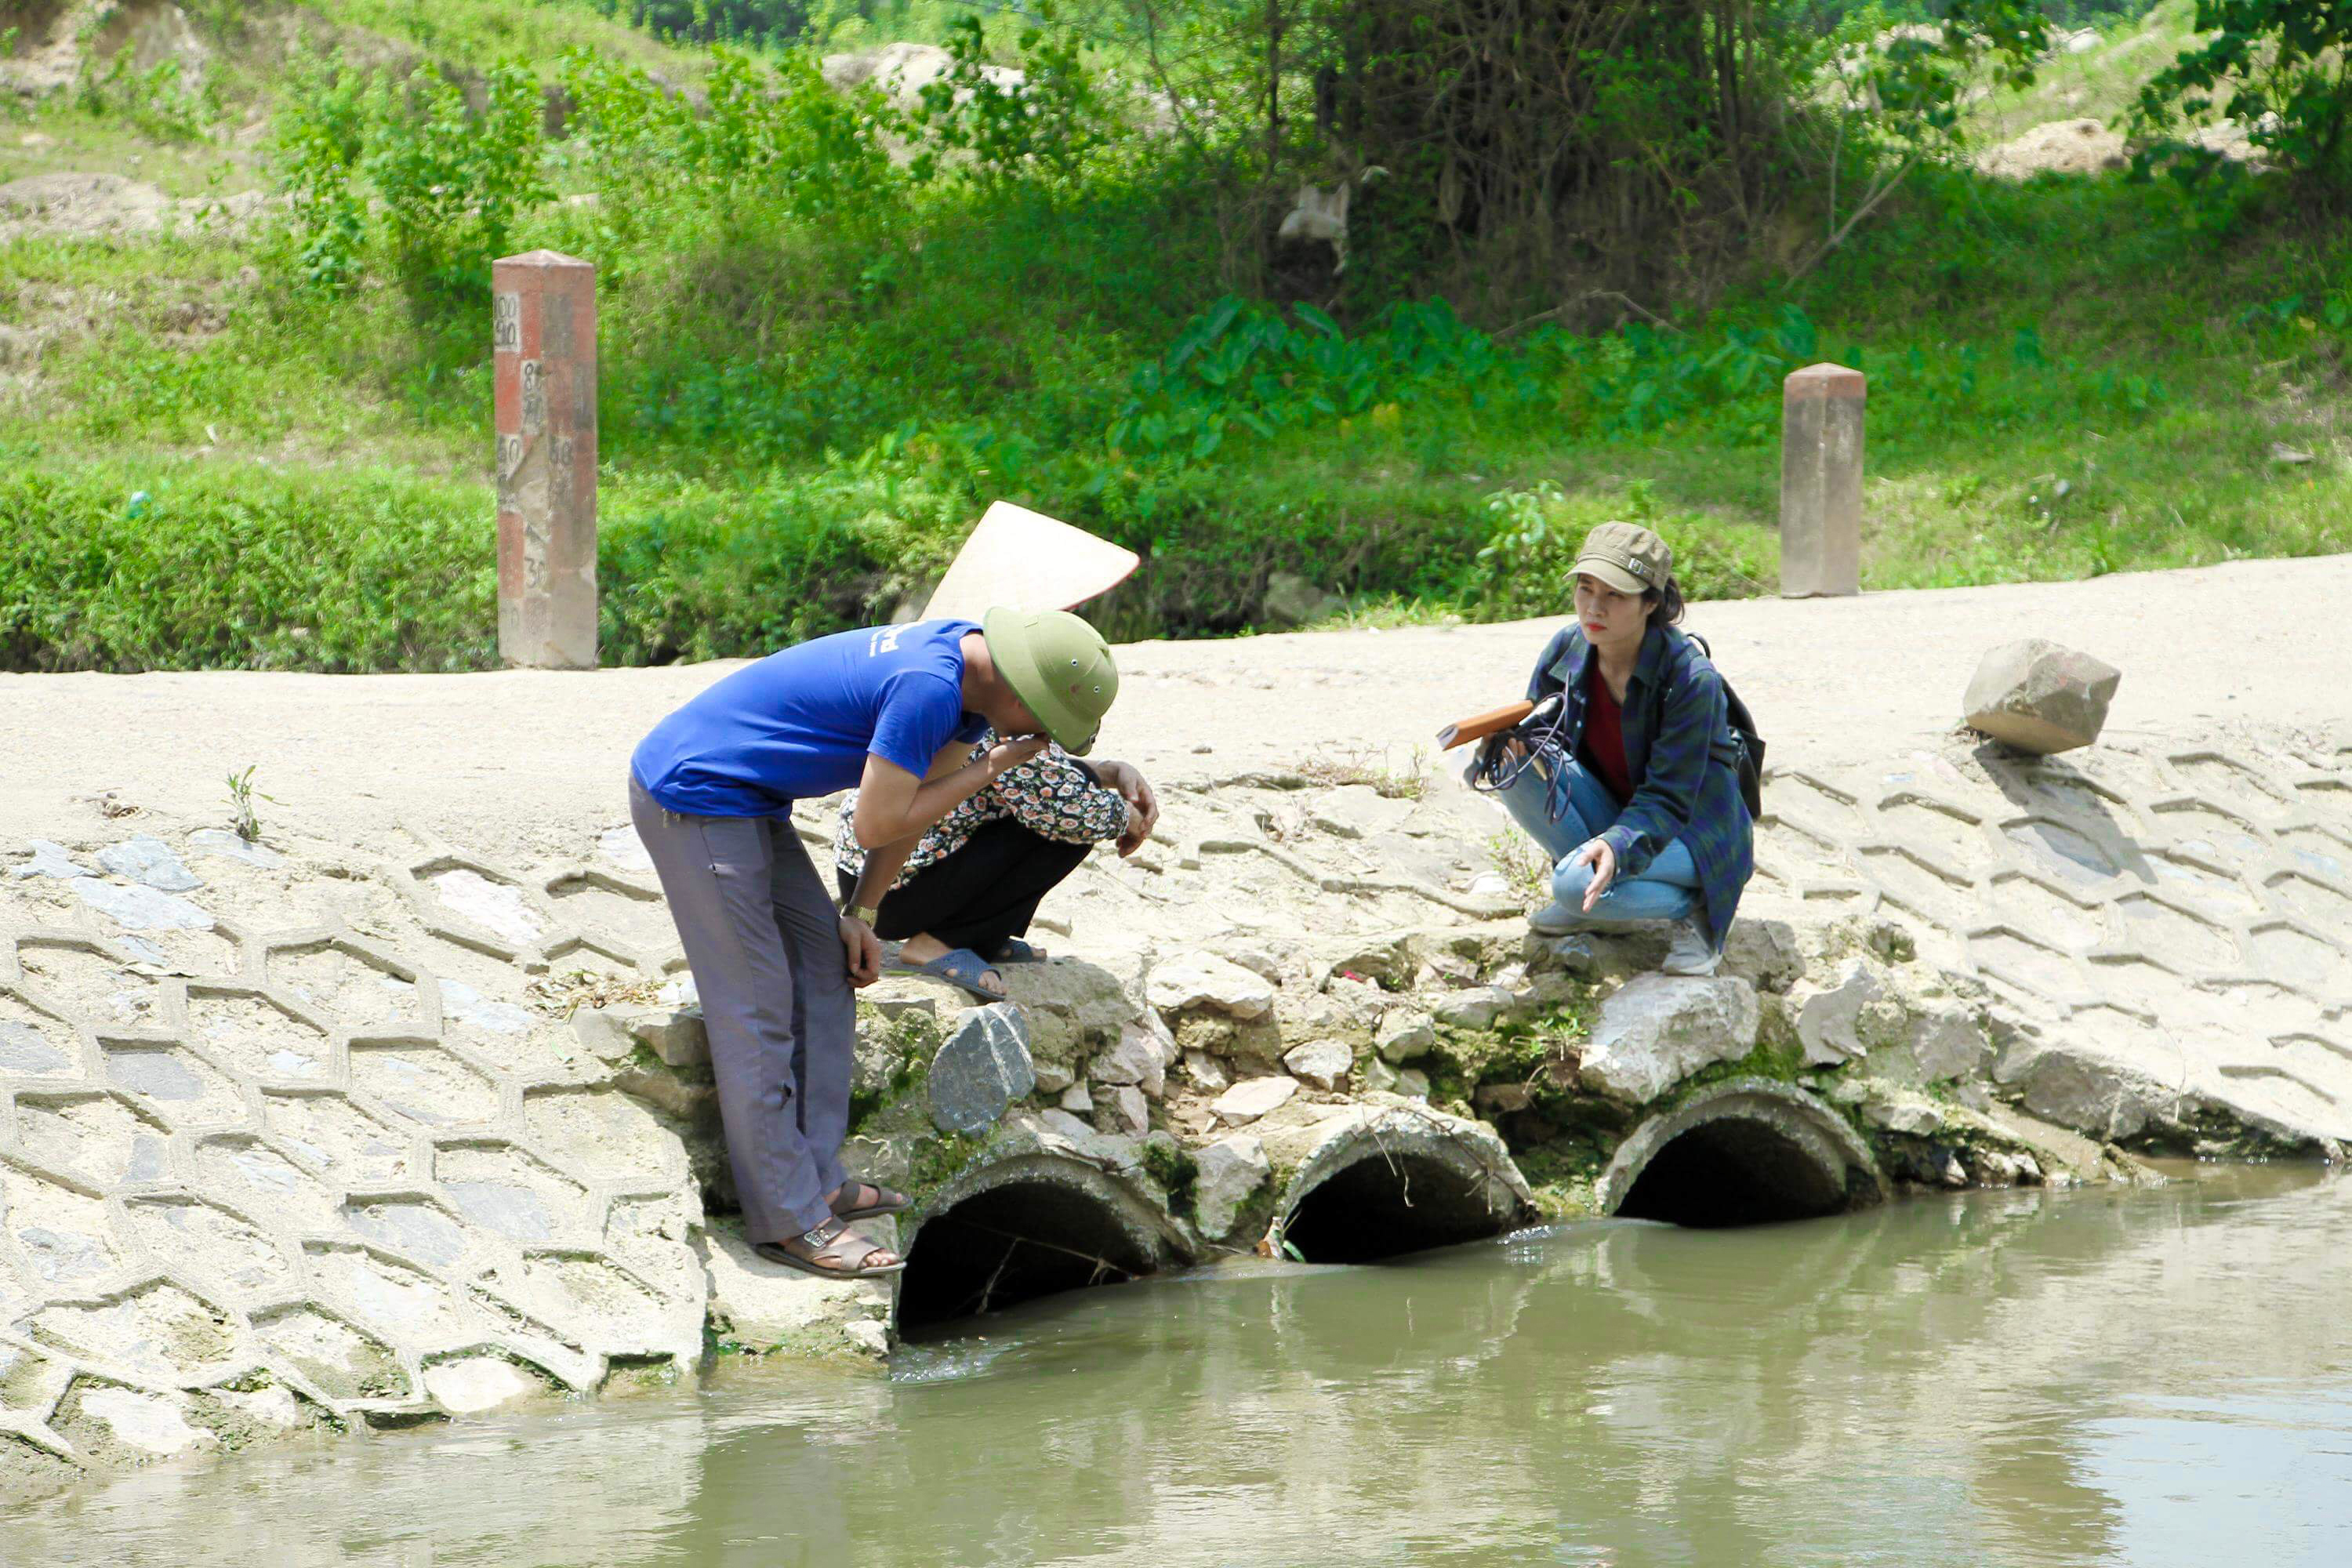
(800, 723)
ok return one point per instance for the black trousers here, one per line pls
(983, 893)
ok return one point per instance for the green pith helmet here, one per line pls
(1060, 669)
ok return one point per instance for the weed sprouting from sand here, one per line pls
(241, 796)
(1521, 864)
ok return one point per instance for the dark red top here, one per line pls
(1603, 749)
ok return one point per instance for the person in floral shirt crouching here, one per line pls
(963, 903)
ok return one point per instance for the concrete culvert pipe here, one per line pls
(1750, 1151)
(1023, 1227)
(1399, 1185)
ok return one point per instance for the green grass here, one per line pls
(799, 418)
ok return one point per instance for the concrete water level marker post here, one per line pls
(543, 354)
(1820, 482)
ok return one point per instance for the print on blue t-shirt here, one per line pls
(799, 723)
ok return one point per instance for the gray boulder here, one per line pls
(1229, 1173)
(1658, 1029)
(2040, 697)
(981, 1069)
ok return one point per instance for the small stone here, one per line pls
(2289, 457)
(869, 1336)
(1413, 1083)
(1658, 1029)
(1832, 1022)
(2040, 697)
(1077, 1100)
(1476, 1008)
(1207, 1071)
(1377, 1078)
(49, 859)
(981, 1069)
(1229, 1173)
(1490, 884)
(1052, 1077)
(1321, 1064)
(140, 908)
(1404, 1034)
(1123, 1110)
(148, 859)
(1202, 980)
(1140, 1059)
(222, 842)
(1252, 1098)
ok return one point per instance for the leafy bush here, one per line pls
(109, 568)
(449, 185)
(2286, 68)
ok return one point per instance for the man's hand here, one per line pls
(863, 949)
(1596, 853)
(1142, 804)
(1006, 755)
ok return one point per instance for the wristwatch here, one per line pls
(865, 913)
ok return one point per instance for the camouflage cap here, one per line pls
(1627, 556)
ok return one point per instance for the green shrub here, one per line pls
(187, 568)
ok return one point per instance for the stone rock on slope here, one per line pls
(981, 1069)
(2041, 697)
(1230, 1173)
(1658, 1029)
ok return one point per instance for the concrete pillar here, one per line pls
(543, 351)
(1820, 482)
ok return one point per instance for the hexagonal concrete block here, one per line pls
(2040, 697)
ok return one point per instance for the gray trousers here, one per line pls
(765, 943)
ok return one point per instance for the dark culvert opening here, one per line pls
(1384, 1206)
(1732, 1173)
(1012, 1243)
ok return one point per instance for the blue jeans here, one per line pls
(1667, 889)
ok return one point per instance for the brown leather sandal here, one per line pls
(884, 1201)
(833, 1253)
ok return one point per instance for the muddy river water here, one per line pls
(2095, 1377)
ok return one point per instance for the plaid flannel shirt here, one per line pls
(1052, 795)
(1685, 774)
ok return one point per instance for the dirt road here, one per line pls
(520, 762)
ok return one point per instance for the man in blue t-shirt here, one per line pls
(893, 710)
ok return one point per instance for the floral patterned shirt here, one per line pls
(1052, 795)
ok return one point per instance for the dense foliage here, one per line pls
(835, 325)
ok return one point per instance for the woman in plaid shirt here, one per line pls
(963, 901)
(1636, 792)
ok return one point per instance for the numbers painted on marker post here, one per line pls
(510, 449)
(506, 324)
(534, 396)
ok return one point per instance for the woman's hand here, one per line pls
(1143, 806)
(863, 951)
(1596, 853)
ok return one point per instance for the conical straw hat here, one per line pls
(1026, 560)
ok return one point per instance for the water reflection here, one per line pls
(2020, 1377)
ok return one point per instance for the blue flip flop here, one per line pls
(957, 966)
(1016, 951)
